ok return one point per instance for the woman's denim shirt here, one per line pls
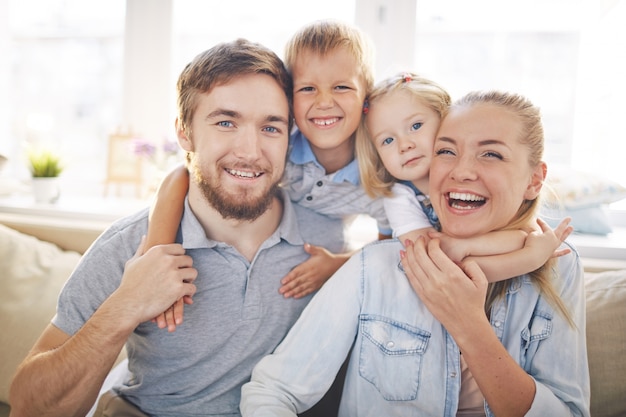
(402, 361)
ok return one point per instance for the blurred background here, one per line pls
(74, 72)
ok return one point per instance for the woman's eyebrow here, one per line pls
(485, 142)
(446, 139)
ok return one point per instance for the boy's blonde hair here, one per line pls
(324, 36)
(375, 178)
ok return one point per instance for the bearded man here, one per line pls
(239, 235)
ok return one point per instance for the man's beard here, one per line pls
(243, 206)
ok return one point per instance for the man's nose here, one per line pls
(248, 144)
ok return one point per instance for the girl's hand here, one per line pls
(311, 274)
(545, 242)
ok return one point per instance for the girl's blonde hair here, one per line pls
(324, 36)
(532, 137)
(375, 178)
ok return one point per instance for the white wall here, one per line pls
(6, 144)
(147, 68)
(392, 27)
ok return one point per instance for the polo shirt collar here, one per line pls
(192, 236)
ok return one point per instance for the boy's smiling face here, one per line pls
(329, 91)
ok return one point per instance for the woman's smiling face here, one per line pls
(480, 174)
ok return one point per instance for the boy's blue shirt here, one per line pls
(337, 195)
(301, 153)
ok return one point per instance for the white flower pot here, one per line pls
(46, 190)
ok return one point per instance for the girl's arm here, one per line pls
(509, 253)
(165, 215)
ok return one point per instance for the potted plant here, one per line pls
(45, 167)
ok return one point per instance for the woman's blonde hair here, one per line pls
(375, 178)
(531, 136)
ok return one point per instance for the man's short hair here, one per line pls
(222, 63)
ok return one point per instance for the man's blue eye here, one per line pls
(224, 124)
(416, 126)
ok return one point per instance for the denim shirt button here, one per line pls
(390, 344)
(497, 323)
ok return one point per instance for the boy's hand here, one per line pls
(311, 274)
(173, 316)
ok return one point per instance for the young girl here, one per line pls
(395, 148)
(331, 66)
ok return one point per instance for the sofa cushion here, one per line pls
(33, 273)
(606, 341)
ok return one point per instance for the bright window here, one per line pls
(64, 72)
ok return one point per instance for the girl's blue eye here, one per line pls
(416, 126)
(387, 141)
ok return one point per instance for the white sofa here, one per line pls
(34, 270)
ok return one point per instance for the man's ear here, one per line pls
(183, 137)
(536, 181)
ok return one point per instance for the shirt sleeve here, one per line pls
(304, 365)
(404, 211)
(564, 390)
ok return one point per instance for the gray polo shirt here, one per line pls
(237, 316)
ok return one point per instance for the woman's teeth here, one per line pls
(465, 201)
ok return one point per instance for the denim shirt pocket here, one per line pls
(540, 328)
(391, 355)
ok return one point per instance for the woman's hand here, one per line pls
(454, 294)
